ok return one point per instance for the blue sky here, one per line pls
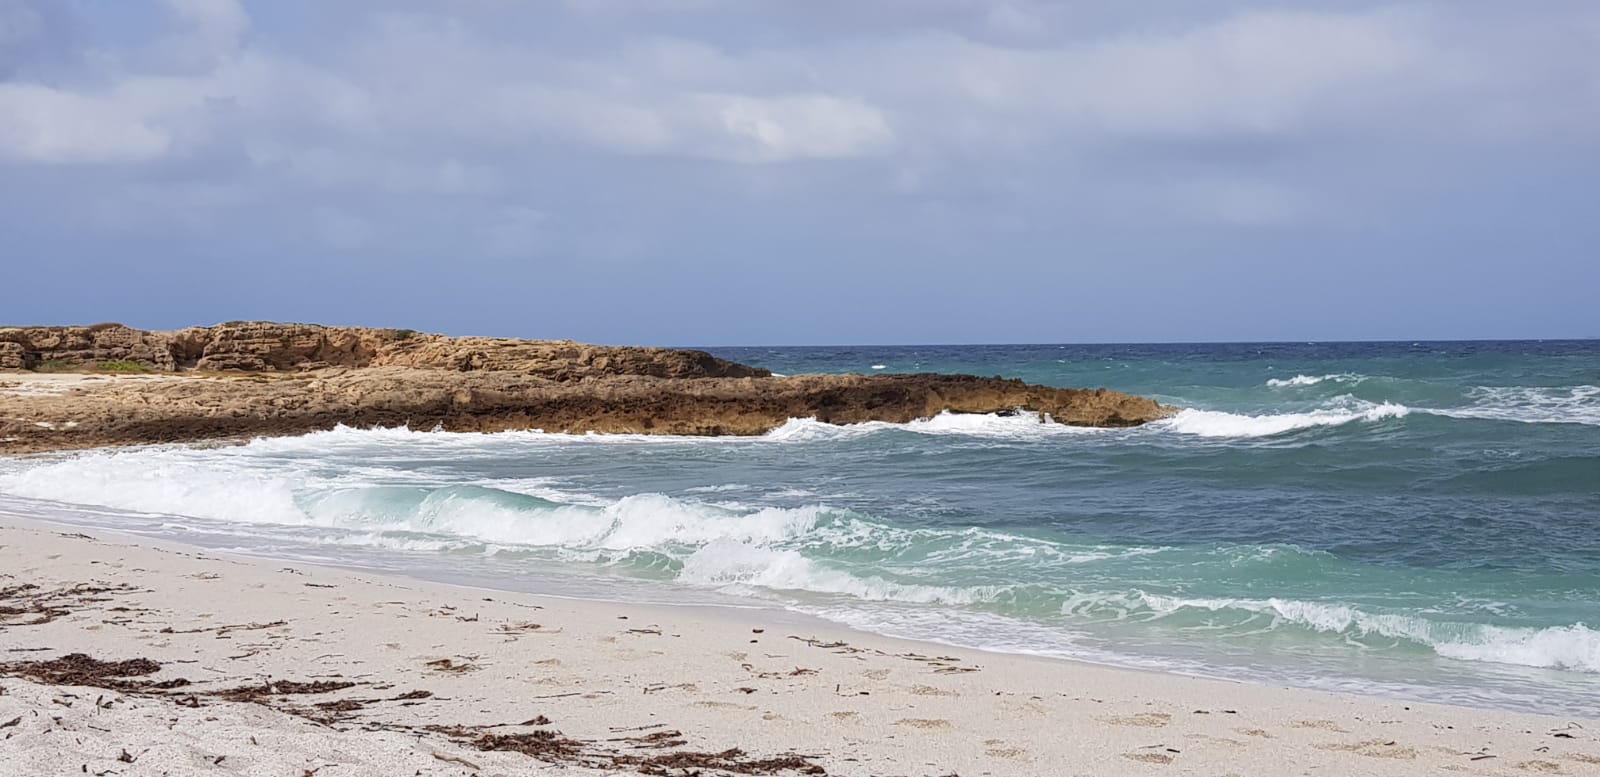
(724, 172)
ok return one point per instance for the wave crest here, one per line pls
(1299, 381)
(1574, 646)
(1216, 423)
(1531, 405)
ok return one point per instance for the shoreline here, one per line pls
(676, 597)
(849, 702)
(395, 563)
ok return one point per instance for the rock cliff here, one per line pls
(260, 346)
(240, 380)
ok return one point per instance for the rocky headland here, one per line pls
(76, 387)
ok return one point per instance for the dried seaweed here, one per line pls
(555, 747)
(254, 693)
(342, 705)
(29, 599)
(733, 760)
(544, 745)
(80, 669)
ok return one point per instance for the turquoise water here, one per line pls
(1419, 520)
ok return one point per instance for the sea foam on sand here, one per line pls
(450, 680)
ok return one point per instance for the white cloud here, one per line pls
(411, 86)
(776, 129)
(133, 116)
(1254, 73)
(40, 124)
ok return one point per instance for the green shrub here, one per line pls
(120, 365)
(55, 365)
(404, 334)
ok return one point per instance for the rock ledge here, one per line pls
(240, 380)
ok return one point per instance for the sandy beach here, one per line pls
(243, 666)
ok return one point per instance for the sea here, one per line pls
(1415, 520)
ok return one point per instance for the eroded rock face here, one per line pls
(12, 356)
(255, 346)
(86, 345)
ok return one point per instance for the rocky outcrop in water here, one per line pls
(240, 380)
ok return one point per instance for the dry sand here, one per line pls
(441, 672)
(41, 384)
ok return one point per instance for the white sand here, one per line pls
(605, 672)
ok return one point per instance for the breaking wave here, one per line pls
(1215, 423)
(812, 549)
(1021, 425)
(1529, 405)
(1312, 380)
(1574, 646)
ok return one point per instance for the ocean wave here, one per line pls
(227, 487)
(1021, 425)
(728, 563)
(178, 485)
(1312, 380)
(1017, 425)
(159, 481)
(1573, 646)
(1530, 405)
(1216, 423)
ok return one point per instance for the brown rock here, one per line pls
(260, 346)
(12, 356)
(311, 377)
(86, 345)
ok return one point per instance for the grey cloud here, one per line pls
(434, 78)
(767, 143)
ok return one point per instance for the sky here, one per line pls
(744, 172)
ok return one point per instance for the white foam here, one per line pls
(1019, 425)
(1215, 423)
(812, 430)
(162, 482)
(1562, 647)
(1531, 405)
(1574, 646)
(1022, 424)
(728, 563)
(1299, 381)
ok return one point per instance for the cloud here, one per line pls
(636, 147)
(776, 129)
(51, 126)
(214, 27)
(422, 80)
(125, 117)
